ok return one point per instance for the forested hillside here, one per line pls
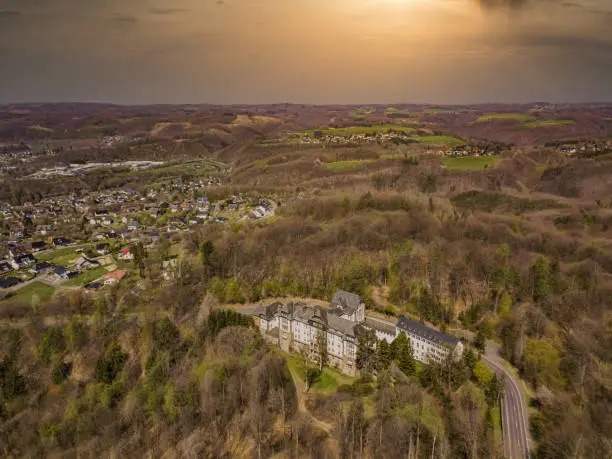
(510, 251)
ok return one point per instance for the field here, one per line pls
(86, 277)
(43, 291)
(440, 140)
(471, 163)
(521, 117)
(348, 166)
(61, 257)
(356, 130)
(544, 123)
(328, 381)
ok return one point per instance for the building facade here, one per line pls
(298, 327)
(429, 344)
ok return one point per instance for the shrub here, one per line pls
(52, 342)
(110, 364)
(60, 372)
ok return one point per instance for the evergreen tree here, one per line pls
(406, 361)
(206, 250)
(469, 358)
(540, 279)
(366, 351)
(480, 340)
(384, 354)
(139, 255)
(401, 350)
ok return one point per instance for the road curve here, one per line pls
(515, 421)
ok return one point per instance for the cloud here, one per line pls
(576, 43)
(7, 14)
(165, 11)
(119, 18)
(503, 4)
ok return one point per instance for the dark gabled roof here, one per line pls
(9, 282)
(38, 244)
(270, 310)
(344, 326)
(380, 326)
(59, 270)
(424, 331)
(346, 301)
(42, 265)
(26, 257)
(4, 266)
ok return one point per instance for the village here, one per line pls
(88, 242)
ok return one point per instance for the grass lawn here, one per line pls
(329, 380)
(86, 277)
(440, 140)
(348, 166)
(497, 426)
(354, 130)
(471, 163)
(43, 291)
(61, 256)
(521, 117)
(543, 123)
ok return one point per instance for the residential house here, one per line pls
(84, 263)
(5, 267)
(60, 242)
(103, 248)
(61, 273)
(8, 282)
(126, 254)
(41, 268)
(133, 226)
(113, 277)
(170, 268)
(23, 261)
(38, 246)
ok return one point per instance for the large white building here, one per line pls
(297, 326)
(429, 344)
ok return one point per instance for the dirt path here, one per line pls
(300, 389)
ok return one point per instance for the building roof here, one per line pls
(345, 326)
(424, 331)
(377, 325)
(28, 258)
(9, 282)
(270, 310)
(5, 267)
(347, 302)
(117, 274)
(42, 265)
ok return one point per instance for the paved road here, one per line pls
(515, 421)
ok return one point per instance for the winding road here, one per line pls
(515, 421)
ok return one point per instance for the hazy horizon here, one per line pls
(347, 52)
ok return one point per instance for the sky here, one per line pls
(305, 51)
